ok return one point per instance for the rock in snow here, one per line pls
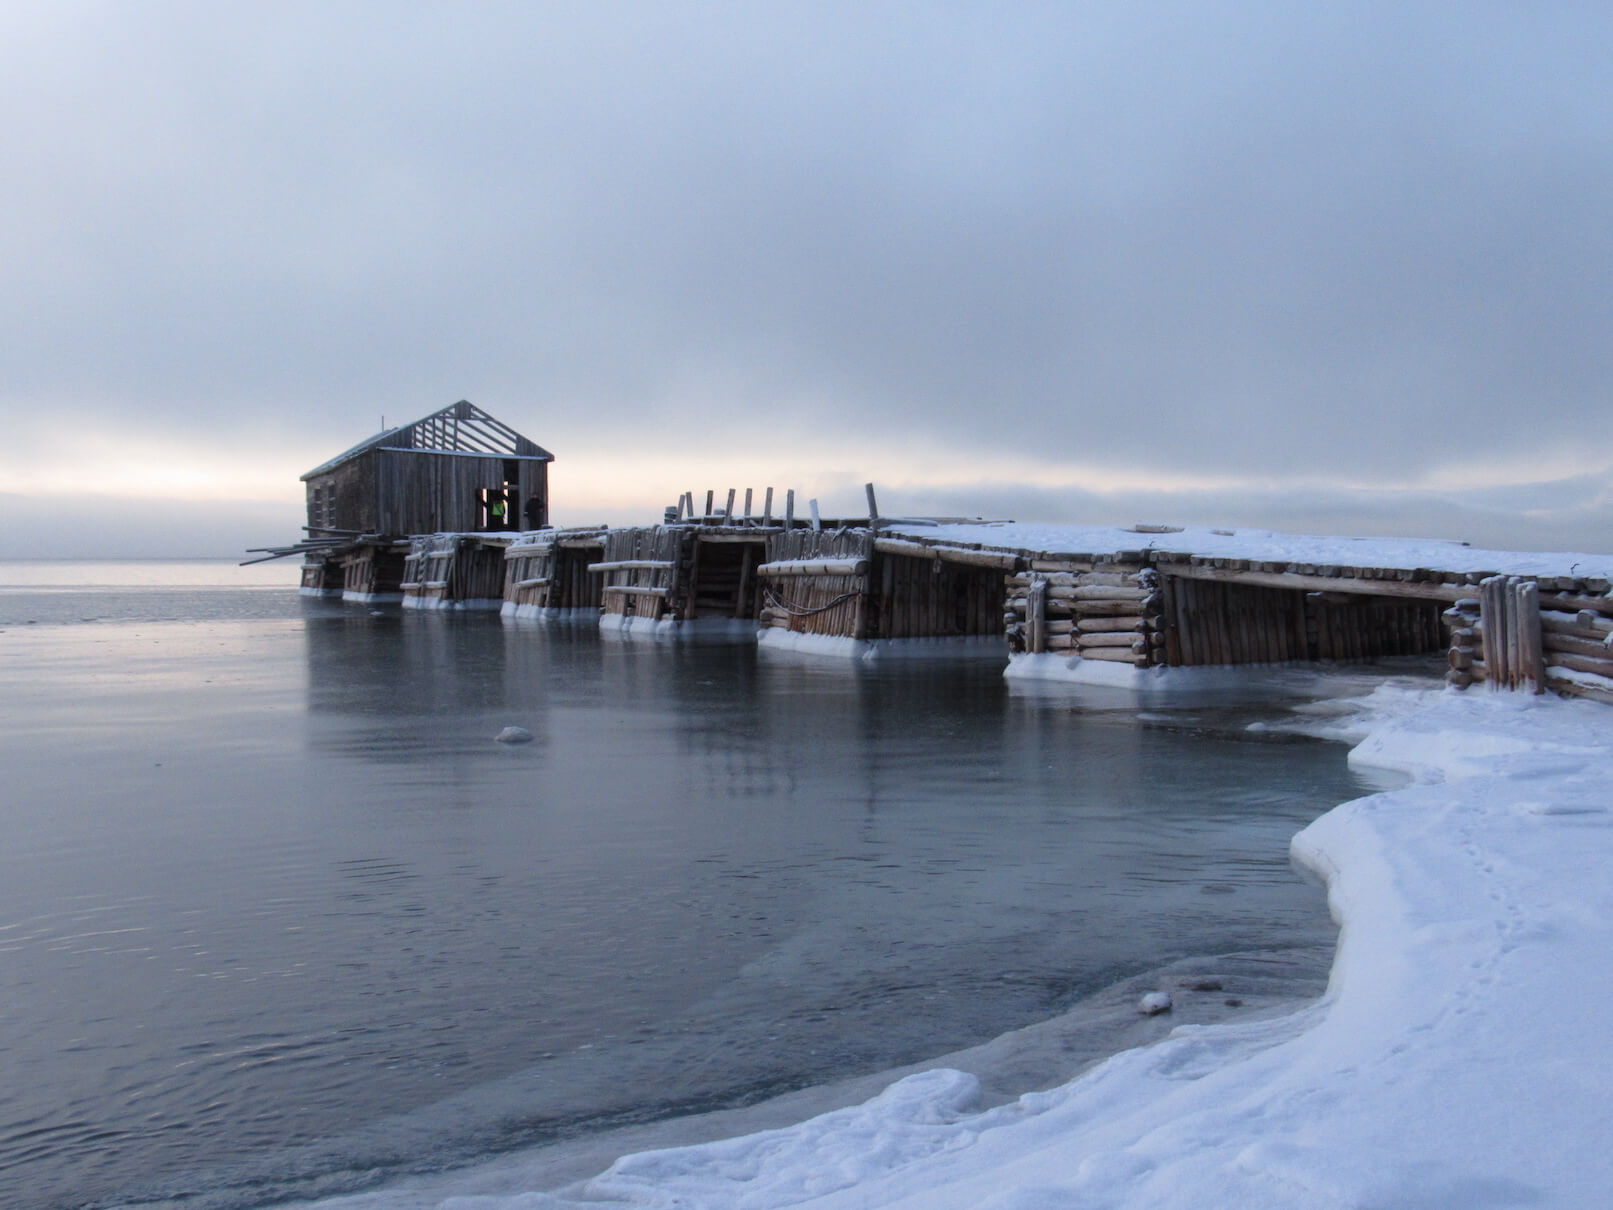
(1154, 1003)
(514, 735)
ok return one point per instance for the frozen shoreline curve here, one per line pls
(1458, 1058)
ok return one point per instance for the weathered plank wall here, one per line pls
(1212, 622)
(829, 599)
(914, 597)
(322, 575)
(452, 568)
(854, 584)
(645, 572)
(373, 571)
(407, 492)
(551, 571)
(422, 492)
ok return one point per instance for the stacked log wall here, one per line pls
(1096, 610)
(1577, 639)
(1465, 649)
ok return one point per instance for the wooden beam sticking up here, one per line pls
(767, 509)
(789, 508)
(747, 503)
(728, 509)
(1530, 649)
(711, 498)
(817, 523)
(1036, 617)
(1492, 612)
(873, 508)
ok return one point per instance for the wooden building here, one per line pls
(458, 470)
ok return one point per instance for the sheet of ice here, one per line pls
(476, 603)
(775, 640)
(711, 630)
(543, 613)
(1270, 546)
(1459, 1058)
(1149, 682)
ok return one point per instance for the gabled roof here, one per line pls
(459, 428)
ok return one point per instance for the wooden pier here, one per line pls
(1159, 609)
(1147, 609)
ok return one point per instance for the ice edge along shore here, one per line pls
(1458, 1059)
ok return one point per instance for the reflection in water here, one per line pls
(282, 882)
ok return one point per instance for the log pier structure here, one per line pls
(1152, 602)
(451, 511)
(869, 580)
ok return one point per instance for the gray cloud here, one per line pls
(1359, 243)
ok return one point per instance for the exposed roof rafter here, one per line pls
(459, 428)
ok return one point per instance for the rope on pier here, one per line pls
(797, 611)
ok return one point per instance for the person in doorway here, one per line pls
(496, 510)
(534, 512)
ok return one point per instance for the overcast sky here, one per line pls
(1330, 267)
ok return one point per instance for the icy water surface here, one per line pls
(278, 917)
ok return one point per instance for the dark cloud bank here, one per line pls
(1326, 251)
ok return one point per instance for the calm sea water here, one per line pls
(278, 916)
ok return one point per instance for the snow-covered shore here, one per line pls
(1458, 1059)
